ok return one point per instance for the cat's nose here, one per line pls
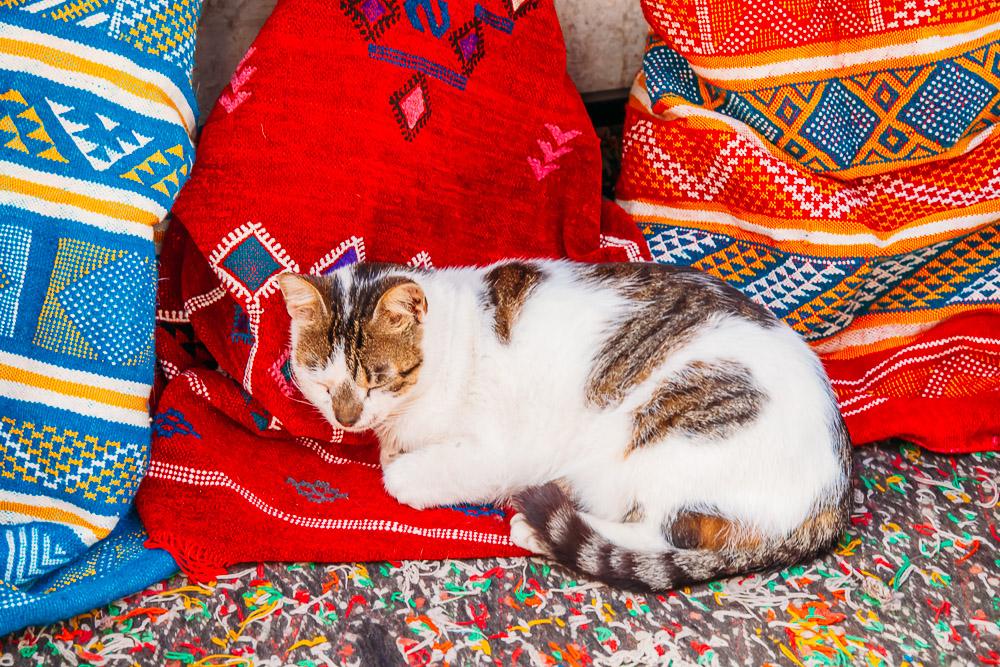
(348, 415)
(346, 406)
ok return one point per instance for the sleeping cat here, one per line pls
(651, 425)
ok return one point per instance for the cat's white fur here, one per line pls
(488, 418)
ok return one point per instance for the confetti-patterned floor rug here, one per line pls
(916, 581)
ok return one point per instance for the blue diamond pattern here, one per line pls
(795, 149)
(111, 307)
(885, 96)
(947, 103)
(788, 111)
(668, 73)
(893, 139)
(251, 263)
(14, 245)
(840, 125)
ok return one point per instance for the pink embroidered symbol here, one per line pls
(541, 170)
(550, 154)
(237, 95)
(281, 372)
(560, 136)
(413, 106)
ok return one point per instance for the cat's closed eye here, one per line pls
(377, 377)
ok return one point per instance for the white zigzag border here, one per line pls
(330, 258)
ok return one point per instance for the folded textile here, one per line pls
(118, 565)
(96, 117)
(839, 165)
(423, 133)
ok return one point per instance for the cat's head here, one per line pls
(356, 341)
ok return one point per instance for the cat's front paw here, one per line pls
(405, 482)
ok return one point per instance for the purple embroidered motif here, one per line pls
(350, 256)
(373, 10)
(371, 18)
(467, 41)
(468, 45)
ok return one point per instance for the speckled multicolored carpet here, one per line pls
(915, 582)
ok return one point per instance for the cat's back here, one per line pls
(577, 307)
(616, 329)
(543, 319)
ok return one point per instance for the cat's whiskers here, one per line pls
(303, 400)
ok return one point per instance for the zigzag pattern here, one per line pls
(859, 124)
(822, 296)
(672, 164)
(166, 181)
(66, 461)
(19, 122)
(32, 550)
(100, 139)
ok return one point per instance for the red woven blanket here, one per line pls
(418, 132)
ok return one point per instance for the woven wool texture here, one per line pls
(421, 133)
(96, 112)
(840, 166)
(912, 583)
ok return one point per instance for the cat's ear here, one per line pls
(302, 297)
(401, 306)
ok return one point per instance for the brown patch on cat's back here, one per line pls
(709, 400)
(668, 305)
(508, 286)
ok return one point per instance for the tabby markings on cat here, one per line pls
(651, 425)
(508, 287)
(711, 400)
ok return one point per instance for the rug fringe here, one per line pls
(199, 564)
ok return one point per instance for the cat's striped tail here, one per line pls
(567, 537)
